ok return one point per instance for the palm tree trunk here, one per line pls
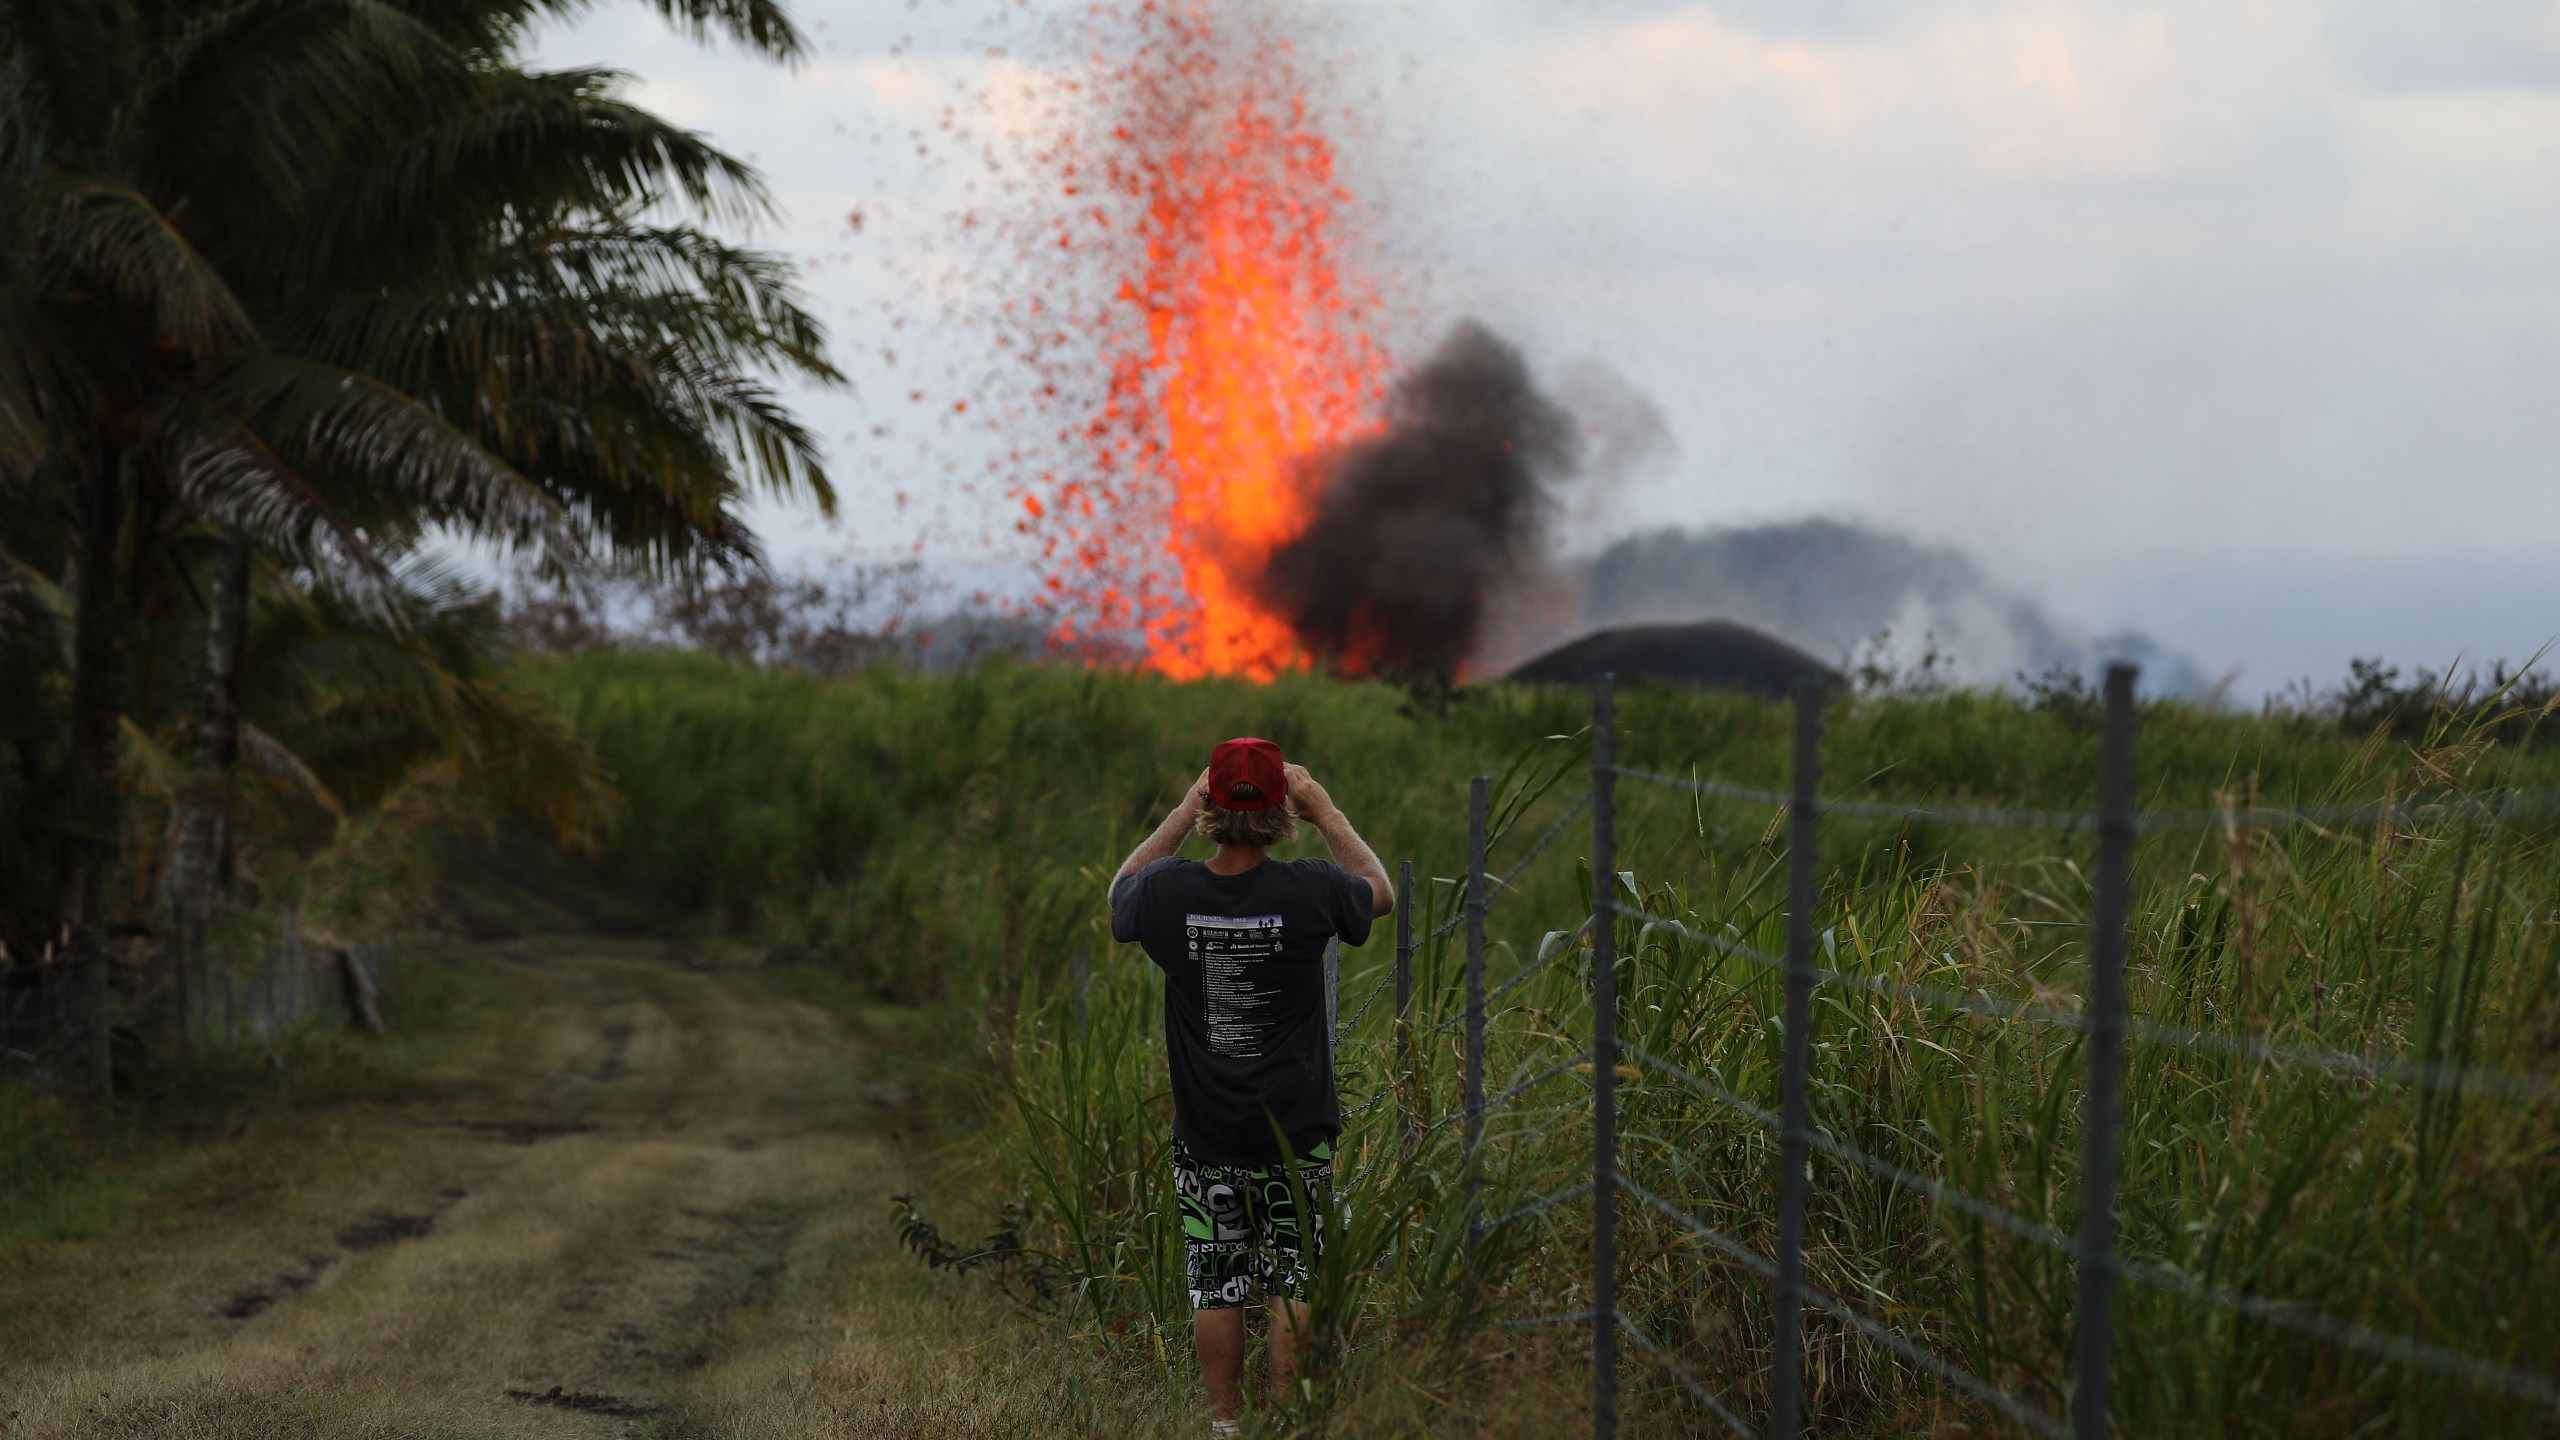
(201, 829)
(97, 727)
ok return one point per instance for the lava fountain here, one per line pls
(1235, 349)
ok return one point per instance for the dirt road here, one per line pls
(646, 1198)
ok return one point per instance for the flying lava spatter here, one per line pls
(1235, 350)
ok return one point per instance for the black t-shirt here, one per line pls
(1244, 1028)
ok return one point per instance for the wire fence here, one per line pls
(2099, 1024)
(252, 991)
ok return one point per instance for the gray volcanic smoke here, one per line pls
(1435, 550)
(1415, 529)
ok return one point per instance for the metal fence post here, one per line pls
(1476, 806)
(1332, 989)
(1604, 1058)
(1787, 1358)
(2102, 1025)
(1405, 1060)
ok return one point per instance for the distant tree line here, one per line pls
(894, 613)
(290, 289)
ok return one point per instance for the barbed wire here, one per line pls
(2508, 805)
(2007, 1404)
(1526, 1322)
(1502, 882)
(1372, 1103)
(1869, 810)
(1539, 846)
(2490, 805)
(1548, 951)
(1541, 1205)
(1697, 1391)
(1495, 1102)
(2501, 1084)
(1491, 1104)
(2477, 1370)
(1734, 1250)
(1939, 1191)
(2473, 1369)
(1343, 1031)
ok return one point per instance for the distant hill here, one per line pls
(1708, 654)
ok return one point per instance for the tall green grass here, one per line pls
(946, 838)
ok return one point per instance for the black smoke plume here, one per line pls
(1416, 528)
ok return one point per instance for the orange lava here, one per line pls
(1236, 351)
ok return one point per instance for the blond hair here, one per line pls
(1262, 828)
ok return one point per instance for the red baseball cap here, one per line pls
(1246, 761)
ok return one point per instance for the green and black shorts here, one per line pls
(1242, 1224)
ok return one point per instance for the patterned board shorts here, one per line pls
(1242, 1224)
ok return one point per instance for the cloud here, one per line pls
(1824, 19)
(2018, 95)
(2084, 288)
(2434, 45)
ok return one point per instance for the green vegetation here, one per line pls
(947, 837)
(287, 288)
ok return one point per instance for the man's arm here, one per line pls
(1349, 851)
(1168, 836)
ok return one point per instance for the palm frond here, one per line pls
(762, 25)
(745, 416)
(327, 420)
(749, 305)
(272, 95)
(557, 303)
(274, 759)
(110, 236)
(364, 704)
(529, 152)
(64, 66)
(230, 473)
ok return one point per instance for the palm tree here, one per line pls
(336, 273)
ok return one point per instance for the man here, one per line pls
(1241, 939)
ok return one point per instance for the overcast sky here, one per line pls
(2234, 322)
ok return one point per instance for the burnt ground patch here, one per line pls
(523, 1132)
(384, 1228)
(586, 1402)
(289, 1283)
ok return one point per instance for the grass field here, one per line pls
(945, 838)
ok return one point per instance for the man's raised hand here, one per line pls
(1306, 797)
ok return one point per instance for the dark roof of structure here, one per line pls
(1710, 654)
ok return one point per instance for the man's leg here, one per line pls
(1219, 1336)
(1217, 1244)
(1288, 1322)
(1290, 1218)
